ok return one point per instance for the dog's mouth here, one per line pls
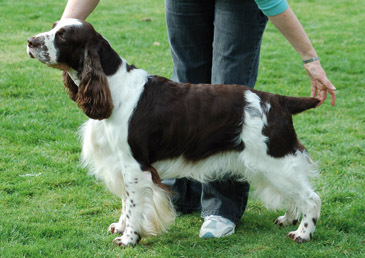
(40, 55)
(37, 54)
(30, 54)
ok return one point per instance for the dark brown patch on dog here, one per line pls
(130, 67)
(194, 121)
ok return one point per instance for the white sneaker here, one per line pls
(216, 226)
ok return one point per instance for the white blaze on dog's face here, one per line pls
(46, 46)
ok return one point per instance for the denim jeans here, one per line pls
(214, 41)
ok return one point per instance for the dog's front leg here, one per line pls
(130, 219)
(148, 208)
(126, 225)
(119, 227)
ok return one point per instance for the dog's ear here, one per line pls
(70, 85)
(93, 96)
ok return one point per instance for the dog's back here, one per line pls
(199, 120)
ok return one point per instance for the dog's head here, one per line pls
(85, 57)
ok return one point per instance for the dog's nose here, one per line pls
(33, 42)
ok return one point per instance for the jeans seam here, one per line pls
(255, 56)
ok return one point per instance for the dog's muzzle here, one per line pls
(33, 43)
(36, 48)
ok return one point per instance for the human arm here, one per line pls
(79, 9)
(288, 24)
(284, 19)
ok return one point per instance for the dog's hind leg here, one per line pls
(307, 203)
(288, 219)
(285, 182)
(310, 210)
(307, 226)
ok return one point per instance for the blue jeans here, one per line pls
(214, 41)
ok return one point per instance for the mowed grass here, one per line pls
(50, 207)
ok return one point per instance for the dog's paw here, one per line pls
(119, 242)
(127, 239)
(283, 221)
(116, 228)
(300, 237)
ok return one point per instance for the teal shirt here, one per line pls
(272, 7)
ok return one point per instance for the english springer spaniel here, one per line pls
(144, 128)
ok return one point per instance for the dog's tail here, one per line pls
(296, 105)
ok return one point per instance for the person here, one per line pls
(218, 41)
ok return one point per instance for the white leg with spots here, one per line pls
(147, 209)
(119, 227)
(309, 221)
(129, 220)
(284, 182)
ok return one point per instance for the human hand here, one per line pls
(320, 83)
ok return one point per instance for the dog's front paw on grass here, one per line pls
(299, 237)
(119, 242)
(127, 240)
(116, 228)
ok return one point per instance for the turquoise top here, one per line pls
(272, 7)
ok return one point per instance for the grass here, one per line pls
(50, 207)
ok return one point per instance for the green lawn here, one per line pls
(50, 207)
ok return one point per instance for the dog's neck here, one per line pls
(126, 82)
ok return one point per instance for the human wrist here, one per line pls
(309, 54)
(311, 60)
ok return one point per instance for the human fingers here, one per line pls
(333, 97)
(313, 92)
(322, 95)
(328, 86)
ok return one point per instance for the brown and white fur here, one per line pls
(145, 128)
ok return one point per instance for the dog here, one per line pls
(144, 128)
